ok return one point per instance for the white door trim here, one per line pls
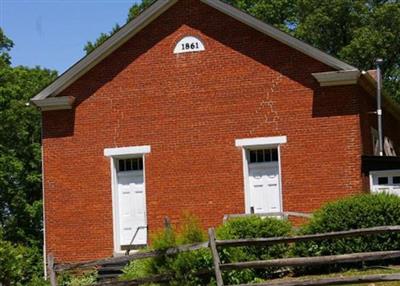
(127, 151)
(115, 154)
(260, 142)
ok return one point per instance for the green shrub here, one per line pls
(356, 212)
(38, 281)
(184, 266)
(19, 265)
(138, 269)
(86, 278)
(252, 227)
(256, 227)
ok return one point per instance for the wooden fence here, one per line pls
(55, 269)
(270, 214)
(215, 245)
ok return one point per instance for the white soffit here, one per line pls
(150, 14)
(336, 78)
(127, 151)
(261, 141)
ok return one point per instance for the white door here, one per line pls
(131, 207)
(264, 196)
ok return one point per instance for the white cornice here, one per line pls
(127, 151)
(54, 103)
(336, 78)
(261, 141)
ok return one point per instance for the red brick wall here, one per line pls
(190, 108)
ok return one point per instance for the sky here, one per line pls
(52, 33)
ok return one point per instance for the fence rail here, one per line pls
(311, 261)
(124, 259)
(307, 261)
(332, 281)
(270, 214)
(310, 237)
(214, 245)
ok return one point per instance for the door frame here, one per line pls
(123, 153)
(258, 143)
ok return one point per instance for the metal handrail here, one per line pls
(133, 238)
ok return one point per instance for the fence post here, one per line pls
(215, 256)
(50, 268)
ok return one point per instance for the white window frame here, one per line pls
(248, 144)
(383, 173)
(123, 153)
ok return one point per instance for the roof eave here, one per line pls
(336, 78)
(369, 84)
(151, 13)
(54, 103)
(110, 45)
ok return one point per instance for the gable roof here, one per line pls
(155, 10)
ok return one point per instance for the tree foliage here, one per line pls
(20, 265)
(5, 46)
(20, 150)
(91, 46)
(356, 31)
(279, 13)
(134, 11)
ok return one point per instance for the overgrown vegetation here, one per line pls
(86, 278)
(349, 213)
(183, 266)
(20, 171)
(20, 265)
(186, 266)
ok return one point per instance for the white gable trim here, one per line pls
(150, 14)
(127, 151)
(261, 141)
(114, 42)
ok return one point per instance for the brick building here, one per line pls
(195, 106)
